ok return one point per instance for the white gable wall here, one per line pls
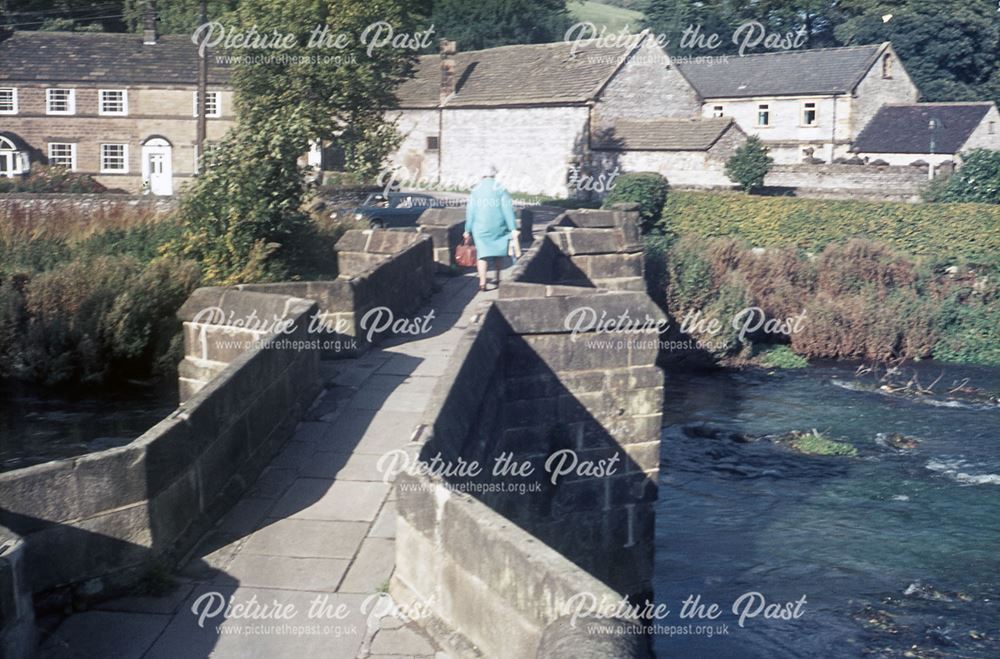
(987, 133)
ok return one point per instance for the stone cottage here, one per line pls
(929, 132)
(802, 103)
(553, 117)
(121, 107)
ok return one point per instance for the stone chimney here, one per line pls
(149, 23)
(448, 49)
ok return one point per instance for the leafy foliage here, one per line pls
(977, 180)
(490, 23)
(648, 189)
(750, 164)
(949, 231)
(243, 216)
(43, 178)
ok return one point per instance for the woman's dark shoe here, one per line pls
(482, 287)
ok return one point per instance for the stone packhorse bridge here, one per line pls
(269, 482)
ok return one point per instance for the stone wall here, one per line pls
(498, 567)
(851, 181)
(37, 209)
(94, 524)
(17, 616)
(377, 269)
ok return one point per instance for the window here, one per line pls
(992, 127)
(213, 104)
(809, 117)
(60, 101)
(114, 157)
(763, 115)
(887, 66)
(113, 101)
(8, 100)
(62, 155)
(717, 110)
(433, 143)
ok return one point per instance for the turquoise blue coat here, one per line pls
(489, 217)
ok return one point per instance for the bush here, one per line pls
(648, 189)
(749, 165)
(861, 300)
(977, 180)
(43, 178)
(949, 231)
(92, 320)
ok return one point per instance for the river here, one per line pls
(891, 549)
(39, 424)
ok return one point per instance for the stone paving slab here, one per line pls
(307, 538)
(318, 523)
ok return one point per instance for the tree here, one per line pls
(977, 180)
(243, 216)
(175, 16)
(749, 165)
(949, 49)
(490, 23)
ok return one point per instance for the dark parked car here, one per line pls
(393, 210)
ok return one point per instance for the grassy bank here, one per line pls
(950, 232)
(92, 298)
(869, 280)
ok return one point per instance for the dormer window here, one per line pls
(8, 100)
(113, 102)
(887, 66)
(60, 101)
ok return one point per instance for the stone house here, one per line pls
(554, 118)
(120, 107)
(930, 132)
(804, 103)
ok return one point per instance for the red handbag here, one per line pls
(465, 254)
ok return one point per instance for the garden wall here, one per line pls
(38, 208)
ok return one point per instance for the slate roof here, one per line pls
(792, 72)
(531, 74)
(662, 134)
(102, 57)
(906, 128)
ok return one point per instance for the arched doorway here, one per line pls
(157, 166)
(13, 155)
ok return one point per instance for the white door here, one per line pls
(157, 168)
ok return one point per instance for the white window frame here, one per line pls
(718, 111)
(70, 101)
(766, 109)
(72, 153)
(815, 109)
(106, 170)
(13, 99)
(209, 95)
(112, 113)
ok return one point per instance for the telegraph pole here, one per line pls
(202, 93)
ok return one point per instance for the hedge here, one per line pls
(949, 231)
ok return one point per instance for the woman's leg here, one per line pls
(496, 266)
(481, 269)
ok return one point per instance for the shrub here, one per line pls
(749, 165)
(43, 178)
(949, 232)
(977, 180)
(779, 356)
(648, 189)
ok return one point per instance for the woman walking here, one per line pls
(489, 219)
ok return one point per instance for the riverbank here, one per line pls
(855, 299)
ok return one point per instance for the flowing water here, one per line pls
(39, 424)
(895, 550)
